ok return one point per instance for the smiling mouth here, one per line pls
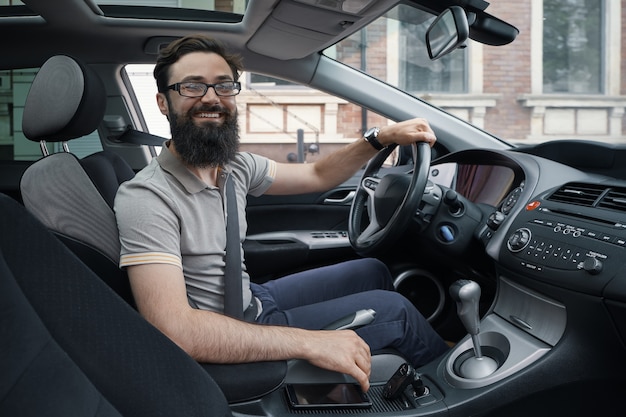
(206, 115)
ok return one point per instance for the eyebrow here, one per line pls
(199, 78)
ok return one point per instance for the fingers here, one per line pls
(362, 364)
(407, 132)
(344, 351)
(363, 371)
(424, 132)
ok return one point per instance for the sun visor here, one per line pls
(316, 27)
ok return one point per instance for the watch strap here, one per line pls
(371, 137)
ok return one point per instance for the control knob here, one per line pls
(518, 240)
(592, 265)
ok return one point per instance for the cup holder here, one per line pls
(510, 347)
(464, 373)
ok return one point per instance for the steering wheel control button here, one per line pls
(370, 184)
(519, 240)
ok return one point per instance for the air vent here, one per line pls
(615, 199)
(578, 193)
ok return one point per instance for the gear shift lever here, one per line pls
(466, 293)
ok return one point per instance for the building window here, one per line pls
(572, 46)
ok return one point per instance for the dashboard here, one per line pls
(552, 226)
(548, 220)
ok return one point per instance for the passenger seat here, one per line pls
(74, 197)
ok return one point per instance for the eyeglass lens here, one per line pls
(199, 89)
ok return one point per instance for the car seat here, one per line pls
(74, 197)
(69, 346)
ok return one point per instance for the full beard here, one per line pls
(209, 145)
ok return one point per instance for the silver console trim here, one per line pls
(518, 348)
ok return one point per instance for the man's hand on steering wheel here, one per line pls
(407, 132)
(392, 200)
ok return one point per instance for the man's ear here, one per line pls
(163, 104)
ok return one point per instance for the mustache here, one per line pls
(216, 108)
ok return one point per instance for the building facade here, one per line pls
(562, 78)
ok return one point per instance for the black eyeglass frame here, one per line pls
(236, 86)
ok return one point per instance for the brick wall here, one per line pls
(509, 119)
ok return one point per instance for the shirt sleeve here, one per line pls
(257, 172)
(148, 226)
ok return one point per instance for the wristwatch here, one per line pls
(371, 136)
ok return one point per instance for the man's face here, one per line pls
(204, 129)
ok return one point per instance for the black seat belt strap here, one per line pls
(233, 300)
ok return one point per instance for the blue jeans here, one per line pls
(315, 298)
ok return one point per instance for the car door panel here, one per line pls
(292, 233)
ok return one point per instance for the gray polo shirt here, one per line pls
(167, 215)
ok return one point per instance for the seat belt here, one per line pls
(138, 137)
(233, 299)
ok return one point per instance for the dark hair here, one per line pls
(192, 43)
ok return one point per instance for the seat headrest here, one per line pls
(67, 100)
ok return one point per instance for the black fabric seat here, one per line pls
(69, 346)
(38, 377)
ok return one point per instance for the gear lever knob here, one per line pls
(466, 293)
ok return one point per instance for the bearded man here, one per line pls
(172, 224)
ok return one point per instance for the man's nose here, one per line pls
(210, 96)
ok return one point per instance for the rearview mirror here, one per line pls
(448, 31)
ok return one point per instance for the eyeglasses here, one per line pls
(197, 89)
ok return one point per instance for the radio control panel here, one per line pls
(576, 254)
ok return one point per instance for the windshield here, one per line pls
(556, 80)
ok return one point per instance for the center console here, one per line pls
(523, 327)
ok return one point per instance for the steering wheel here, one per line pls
(391, 201)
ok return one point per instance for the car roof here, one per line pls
(121, 31)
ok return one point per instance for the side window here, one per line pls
(14, 87)
(278, 119)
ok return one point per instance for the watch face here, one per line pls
(372, 131)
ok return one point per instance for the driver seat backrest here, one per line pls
(74, 197)
(70, 346)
